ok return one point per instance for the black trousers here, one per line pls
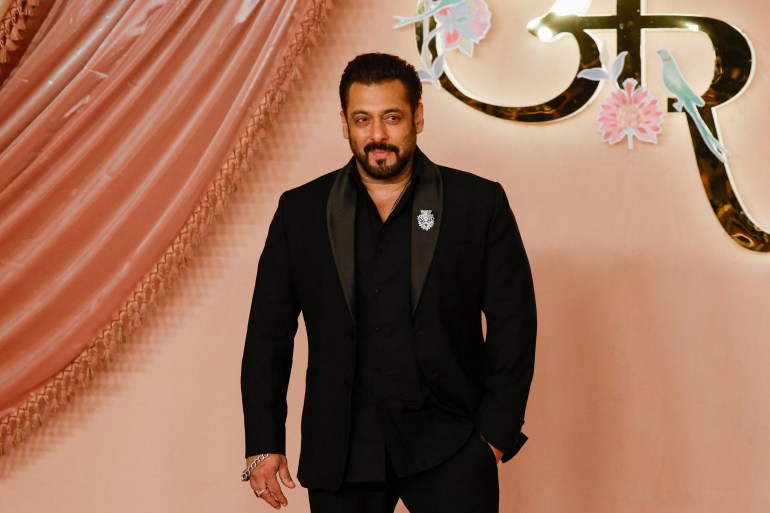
(465, 483)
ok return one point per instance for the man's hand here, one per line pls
(498, 452)
(263, 479)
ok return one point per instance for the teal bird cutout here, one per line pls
(689, 101)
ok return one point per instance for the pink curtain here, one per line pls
(123, 130)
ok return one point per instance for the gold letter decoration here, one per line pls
(732, 69)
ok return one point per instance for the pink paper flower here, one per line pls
(464, 25)
(630, 112)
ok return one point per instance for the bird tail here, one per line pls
(712, 143)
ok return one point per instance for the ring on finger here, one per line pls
(259, 492)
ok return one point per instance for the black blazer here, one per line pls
(471, 260)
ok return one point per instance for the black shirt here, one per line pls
(393, 417)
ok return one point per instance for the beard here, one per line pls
(380, 169)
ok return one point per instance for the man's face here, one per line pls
(381, 128)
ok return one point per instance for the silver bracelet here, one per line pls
(246, 474)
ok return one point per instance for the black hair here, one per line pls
(375, 68)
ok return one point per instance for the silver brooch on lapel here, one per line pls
(426, 219)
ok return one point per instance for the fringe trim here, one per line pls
(13, 22)
(18, 425)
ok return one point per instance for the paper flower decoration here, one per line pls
(460, 25)
(630, 112)
(464, 25)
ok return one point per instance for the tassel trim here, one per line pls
(16, 426)
(13, 22)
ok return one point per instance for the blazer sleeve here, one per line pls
(509, 306)
(269, 346)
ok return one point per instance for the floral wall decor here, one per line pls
(459, 25)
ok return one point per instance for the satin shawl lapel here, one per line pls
(341, 224)
(428, 196)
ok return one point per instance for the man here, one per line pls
(392, 259)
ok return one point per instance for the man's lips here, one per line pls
(380, 151)
(380, 154)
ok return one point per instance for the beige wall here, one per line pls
(651, 377)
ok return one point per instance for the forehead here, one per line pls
(378, 97)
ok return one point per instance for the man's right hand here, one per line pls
(263, 479)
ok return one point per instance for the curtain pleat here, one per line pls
(123, 134)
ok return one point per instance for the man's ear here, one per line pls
(419, 120)
(345, 131)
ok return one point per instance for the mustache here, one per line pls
(381, 146)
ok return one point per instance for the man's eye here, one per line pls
(394, 119)
(361, 120)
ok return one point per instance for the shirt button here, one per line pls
(378, 329)
(377, 291)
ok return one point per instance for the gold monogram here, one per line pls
(732, 69)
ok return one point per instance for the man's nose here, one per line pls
(379, 132)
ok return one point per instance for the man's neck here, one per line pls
(385, 193)
(385, 186)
